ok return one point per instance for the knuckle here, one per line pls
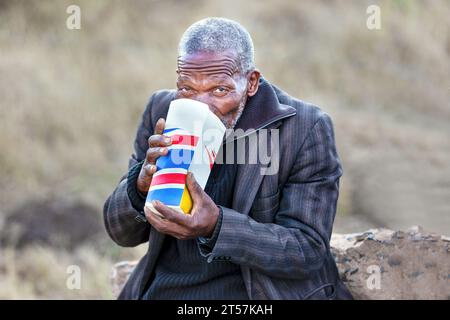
(155, 140)
(157, 150)
(148, 214)
(153, 150)
(155, 222)
(153, 153)
(149, 152)
(151, 141)
(196, 224)
(148, 172)
(169, 216)
(166, 140)
(184, 235)
(163, 228)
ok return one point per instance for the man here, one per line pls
(250, 235)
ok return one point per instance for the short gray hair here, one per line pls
(217, 35)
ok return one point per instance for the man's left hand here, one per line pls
(199, 223)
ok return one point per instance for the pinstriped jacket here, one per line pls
(279, 226)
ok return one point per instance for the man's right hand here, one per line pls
(158, 144)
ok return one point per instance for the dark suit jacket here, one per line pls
(279, 226)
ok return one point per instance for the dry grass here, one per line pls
(71, 101)
(43, 272)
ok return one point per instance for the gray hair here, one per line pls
(217, 35)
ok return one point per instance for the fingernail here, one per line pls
(168, 140)
(162, 150)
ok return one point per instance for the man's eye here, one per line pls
(220, 90)
(184, 89)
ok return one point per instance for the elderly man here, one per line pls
(250, 235)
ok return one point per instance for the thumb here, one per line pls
(194, 188)
(159, 127)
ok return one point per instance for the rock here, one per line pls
(377, 264)
(394, 264)
(120, 274)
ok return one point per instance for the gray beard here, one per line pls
(239, 112)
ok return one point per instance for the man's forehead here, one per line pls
(216, 77)
(220, 64)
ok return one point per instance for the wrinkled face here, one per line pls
(213, 79)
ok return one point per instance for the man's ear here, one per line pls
(253, 83)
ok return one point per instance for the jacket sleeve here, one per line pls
(123, 215)
(297, 242)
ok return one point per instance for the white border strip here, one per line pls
(166, 186)
(170, 170)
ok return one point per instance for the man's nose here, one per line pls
(205, 98)
(202, 97)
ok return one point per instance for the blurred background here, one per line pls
(70, 102)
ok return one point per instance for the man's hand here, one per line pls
(157, 147)
(200, 223)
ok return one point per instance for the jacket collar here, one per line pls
(262, 110)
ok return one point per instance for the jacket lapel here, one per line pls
(248, 180)
(263, 111)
